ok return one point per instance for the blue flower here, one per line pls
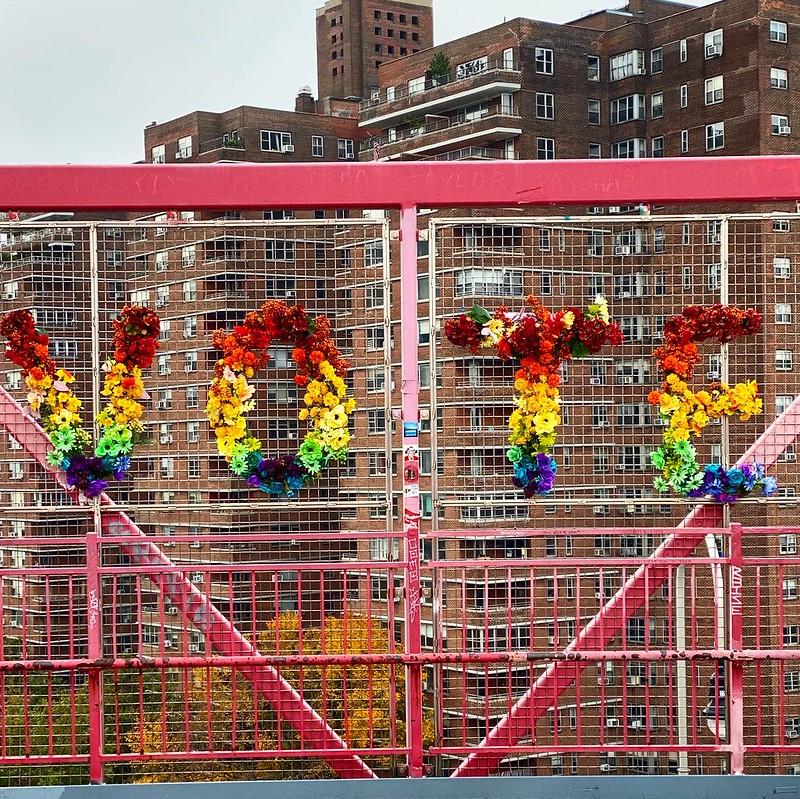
(735, 477)
(770, 486)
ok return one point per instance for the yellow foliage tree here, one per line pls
(363, 702)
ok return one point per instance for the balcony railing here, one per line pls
(473, 153)
(376, 106)
(222, 142)
(440, 124)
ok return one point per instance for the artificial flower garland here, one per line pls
(321, 370)
(50, 397)
(541, 341)
(687, 412)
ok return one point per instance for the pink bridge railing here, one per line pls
(361, 739)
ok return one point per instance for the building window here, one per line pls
(594, 243)
(630, 148)
(184, 147)
(782, 267)
(544, 106)
(683, 51)
(684, 141)
(657, 147)
(626, 64)
(274, 141)
(684, 101)
(545, 149)
(545, 236)
(656, 60)
(158, 154)
(714, 92)
(783, 360)
(780, 125)
(593, 67)
(544, 61)
(791, 635)
(192, 432)
(779, 78)
(787, 545)
(594, 112)
(346, 149)
(376, 420)
(712, 44)
(657, 105)
(488, 282)
(373, 295)
(624, 109)
(317, 146)
(777, 31)
(783, 313)
(279, 250)
(715, 136)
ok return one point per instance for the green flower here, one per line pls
(121, 437)
(63, 438)
(240, 462)
(657, 459)
(515, 454)
(311, 455)
(106, 447)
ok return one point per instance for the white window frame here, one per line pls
(545, 149)
(184, 147)
(545, 105)
(784, 360)
(543, 60)
(778, 31)
(656, 105)
(712, 43)
(317, 146)
(715, 136)
(158, 154)
(345, 149)
(684, 95)
(782, 267)
(624, 65)
(277, 141)
(778, 122)
(783, 313)
(715, 89)
(778, 78)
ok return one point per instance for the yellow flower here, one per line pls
(545, 422)
(569, 318)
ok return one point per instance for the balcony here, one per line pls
(438, 135)
(446, 92)
(226, 142)
(472, 154)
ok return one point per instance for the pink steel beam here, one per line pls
(386, 185)
(611, 619)
(197, 608)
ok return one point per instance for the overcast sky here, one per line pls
(82, 78)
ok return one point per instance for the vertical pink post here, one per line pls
(409, 379)
(94, 631)
(736, 644)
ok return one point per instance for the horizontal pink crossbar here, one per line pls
(380, 184)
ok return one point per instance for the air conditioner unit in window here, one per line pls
(612, 722)
(599, 553)
(196, 577)
(606, 767)
(167, 644)
(636, 724)
(166, 439)
(713, 50)
(626, 380)
(716, 239)
(609, 681)
(623, 251)
(641, 71)
(195, 545)
(551, 640)
(351, 156)
(789, 457)
(173, 611)
(595, 381)
(194, 647)
(792, 733)
(713, 376)
(178, 155)
(784, 130)
(634, 680)
(288, 148)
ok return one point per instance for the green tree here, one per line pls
(439, 68)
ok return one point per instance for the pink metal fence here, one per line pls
(199, 721)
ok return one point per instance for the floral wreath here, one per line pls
(541, 341)
(321, 370)
(687, 412)
(50, 397)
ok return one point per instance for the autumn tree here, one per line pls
(363, 702)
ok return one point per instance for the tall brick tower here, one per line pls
(354, 37)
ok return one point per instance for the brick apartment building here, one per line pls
(653, 79)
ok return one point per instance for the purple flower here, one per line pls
(254, 480)
(95, 488)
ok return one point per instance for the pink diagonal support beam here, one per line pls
(611, 619)
(198, 608)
